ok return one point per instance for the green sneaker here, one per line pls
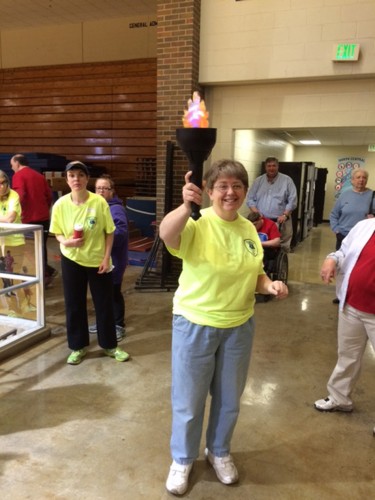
(76, 357)
(117, 353)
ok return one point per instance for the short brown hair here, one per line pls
(229, 168)
(108, 178)
(271, 159)
(254, 216)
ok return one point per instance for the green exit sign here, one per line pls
(346, 52)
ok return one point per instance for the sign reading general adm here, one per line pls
(143, 24)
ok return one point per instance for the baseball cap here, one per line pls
(77, 165)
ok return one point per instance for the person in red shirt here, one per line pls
(353, 265)
(269, 235)
(268, 231)
(36, 199)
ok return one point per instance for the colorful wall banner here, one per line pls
(345, 167)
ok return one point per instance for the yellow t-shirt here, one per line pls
(97, 221)
(12, 204)
(221, 264)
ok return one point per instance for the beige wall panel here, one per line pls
(43, 46)
(254, 40)
(96, 41)
(337, 103)
(119, 39)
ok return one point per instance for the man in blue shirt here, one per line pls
(274, 195)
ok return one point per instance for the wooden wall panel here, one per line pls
(103, 114)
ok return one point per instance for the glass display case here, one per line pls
(22, 305)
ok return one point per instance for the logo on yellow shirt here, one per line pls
(91, 221)
(251, 247)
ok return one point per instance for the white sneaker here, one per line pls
(178, 478)
(224, 467)
(328, 404)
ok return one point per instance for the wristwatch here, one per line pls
(286, 216)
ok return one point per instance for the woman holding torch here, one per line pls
(212, 318)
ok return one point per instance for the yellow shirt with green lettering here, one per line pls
(8, 205)
(221, 264)
(97, 221)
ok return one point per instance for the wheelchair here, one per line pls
(276, 266)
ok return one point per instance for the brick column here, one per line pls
(177, 78)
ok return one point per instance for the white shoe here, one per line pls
(178, 478)
(224, 467)
(328, 404)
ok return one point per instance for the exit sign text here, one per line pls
(346, 52)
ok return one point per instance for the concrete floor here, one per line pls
(101, 430)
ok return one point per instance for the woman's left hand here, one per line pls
(104, 266)
(278, 289)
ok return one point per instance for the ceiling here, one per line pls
(15, 14)
(329, 136)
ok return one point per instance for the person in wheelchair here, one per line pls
(269, 235)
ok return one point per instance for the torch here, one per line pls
(196, 140)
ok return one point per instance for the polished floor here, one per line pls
(100, 430)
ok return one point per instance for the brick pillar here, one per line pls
(177, 78)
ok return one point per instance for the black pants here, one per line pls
(118, 305)
(75, 280)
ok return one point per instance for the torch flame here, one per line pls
(196, 116)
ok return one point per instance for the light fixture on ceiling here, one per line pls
(310, 142)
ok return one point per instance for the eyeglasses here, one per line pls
(3, 183)
(223, 188)
(103, 189)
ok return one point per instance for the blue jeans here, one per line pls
(207, 359)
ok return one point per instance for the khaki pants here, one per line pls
(354, 328)
(286, 231)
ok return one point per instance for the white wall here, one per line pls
(258, 40)
(268, 65)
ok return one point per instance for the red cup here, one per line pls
(78, 231)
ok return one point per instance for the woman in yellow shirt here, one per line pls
(10, 211)
(213, 324)
(86, 260)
